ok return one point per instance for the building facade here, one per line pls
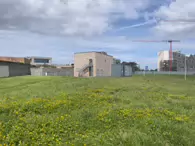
(93, 64)
(191, 63)
(163, 58)
(40, 60)
(178, 63)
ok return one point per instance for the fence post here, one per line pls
(45, 73)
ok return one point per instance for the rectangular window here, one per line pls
(41, 60)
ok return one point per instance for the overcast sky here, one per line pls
(59, 28)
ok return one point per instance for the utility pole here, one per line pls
(185, 67)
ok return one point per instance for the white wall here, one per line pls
(162, 55)
(4, 71)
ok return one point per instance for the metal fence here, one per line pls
(162, 73)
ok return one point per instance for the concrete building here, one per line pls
(10, 69)
(40, 60)
(190, 63)
(162, 57)
(93, 64)
(178, 62)
(15, 59)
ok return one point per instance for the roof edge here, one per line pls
(93, 52)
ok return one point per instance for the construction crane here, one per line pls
(170, 51)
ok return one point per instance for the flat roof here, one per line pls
(10, 62)
(39, 57)
(11, 57)
(26, 57)
(93, 52)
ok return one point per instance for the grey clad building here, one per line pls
(10, 69)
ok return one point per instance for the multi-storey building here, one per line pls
(40, 60)
(191, 63)
(179, 62)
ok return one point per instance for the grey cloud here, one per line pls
(75, 17)
(180, 19)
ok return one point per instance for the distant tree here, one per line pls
(118, 61)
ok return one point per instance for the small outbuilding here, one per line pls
(10, 69)
(121, 70)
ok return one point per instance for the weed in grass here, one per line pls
(144, 112)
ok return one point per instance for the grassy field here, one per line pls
(137, 111)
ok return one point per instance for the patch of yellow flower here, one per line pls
(147, 113)
(102, 115)
(182, 118)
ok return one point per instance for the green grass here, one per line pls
(149, 111)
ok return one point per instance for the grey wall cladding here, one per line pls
(4, 71)
(36, 72)
(14, 69)
(52, 71)
(19, 69)
(120, 70)
(58, 71)
(116, 70)
(127, 70)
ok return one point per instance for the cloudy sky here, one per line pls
(58, 28)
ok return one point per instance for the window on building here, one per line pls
(105, 60)
(90, 61)
(41, 60)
